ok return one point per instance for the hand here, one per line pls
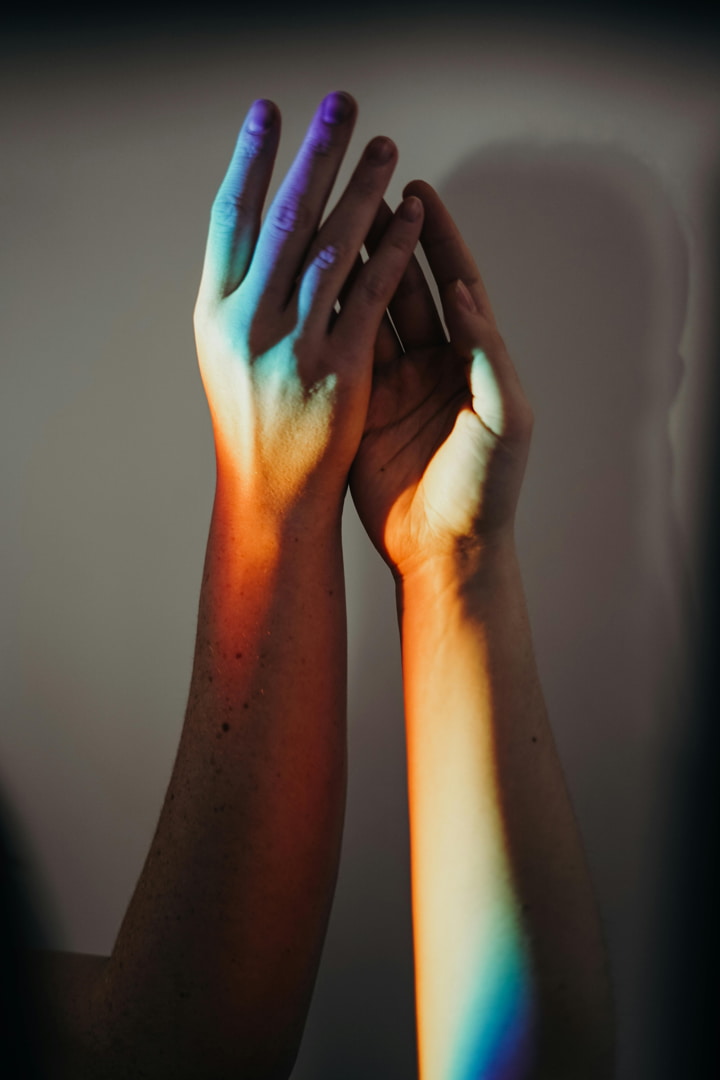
(448, 428)
(287, 384)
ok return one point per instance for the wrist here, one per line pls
(463, 571)
(258, 518)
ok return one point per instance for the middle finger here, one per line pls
(295, 213)
(412, 308)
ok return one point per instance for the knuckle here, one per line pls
(205, 318)
(220, 326)
(202, 316)
(228, 208)
(365, 185)
(289, 216)
(374, 287)
(401, 242)
(250, 146)
(318, 144)
(328, 256)
(473, 282)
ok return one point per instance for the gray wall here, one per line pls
(580, 169)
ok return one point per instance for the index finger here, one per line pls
(236, 210)
(447, 253)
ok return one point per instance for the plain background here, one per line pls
(581, 166)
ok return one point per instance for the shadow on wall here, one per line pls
(687, 1002)
(586, 267)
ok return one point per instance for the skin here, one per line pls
(509, 960)
(214, 964)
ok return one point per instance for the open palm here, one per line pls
(447, 431)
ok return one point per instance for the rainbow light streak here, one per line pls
(474, 964)
(476, 1008)
(494, 1043)
(487, 396)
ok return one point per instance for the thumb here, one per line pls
(481, 349)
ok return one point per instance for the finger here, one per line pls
(497, 395)
(447, 254)
(237, 208)
(412, 308)
(293, 217)
(350, 280)
(344, 232)
(387, 345)
(360, 319)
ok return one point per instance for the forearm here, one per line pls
(509, 958)
(215, 962)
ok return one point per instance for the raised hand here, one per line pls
(509, 968)
(214, 965)
(448, 427)
(288, 391)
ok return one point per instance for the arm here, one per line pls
(509, 957)
(214, 964)
(510, 967)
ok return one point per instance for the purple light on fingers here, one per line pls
(326, 257)
(261, 117)
(336, 107)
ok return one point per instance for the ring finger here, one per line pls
(387, 344)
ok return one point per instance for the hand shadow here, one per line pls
(587, 268)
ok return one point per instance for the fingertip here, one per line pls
(411, 209)
(261, 116)
(381, 150)
(337, 107)
(418, 188)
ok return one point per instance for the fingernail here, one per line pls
(336, 107)
(262, 114)
(380, 150)
(463, 295)
(411, 208)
